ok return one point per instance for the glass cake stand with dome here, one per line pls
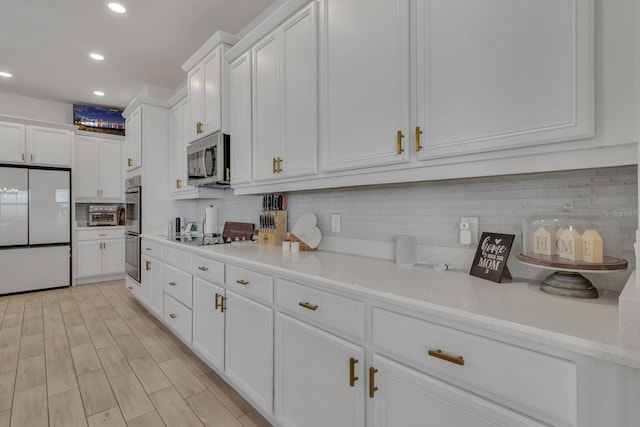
(571, 245)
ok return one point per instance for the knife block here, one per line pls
(274, 236)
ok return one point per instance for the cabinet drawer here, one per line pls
(151, 249)
(207, 269)
(530, 380)
(177, 283)
(321, 308)
(250, 283)
(177, 317)
(101, 233)
(177, 258)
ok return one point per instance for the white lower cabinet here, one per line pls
(319, 378)
(151, 282)
(99, 253)
(249, 348)
(408, 398)
(208, 321)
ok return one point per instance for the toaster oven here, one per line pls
(103, 215)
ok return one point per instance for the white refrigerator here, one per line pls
(35, 228)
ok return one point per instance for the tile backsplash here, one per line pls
(431, 211)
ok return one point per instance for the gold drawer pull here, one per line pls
(399, 137)
(172, 283)
(458, 360)
(148, 265)
(418, 133)
(352, 371)
(173, 316)
(242, 282)
(372, 386)
(203, 269)
(220, 300)
(130, 287)
(308, 306)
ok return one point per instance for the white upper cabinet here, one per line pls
(241, 120)
(98, 172)
(12, 136)
(207, 87)
(35, 145)
(364, 83)
(285, 134)
(501, 74)
(133, 124)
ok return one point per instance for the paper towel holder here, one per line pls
(209, 226)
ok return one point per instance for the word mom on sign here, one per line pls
(490, 261)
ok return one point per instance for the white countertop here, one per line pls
(517, 308)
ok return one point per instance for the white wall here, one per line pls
(35, 108)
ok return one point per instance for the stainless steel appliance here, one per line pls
(133, 226)
(103, 215)
(209, 161)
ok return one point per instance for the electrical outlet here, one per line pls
(335, 223)
(473, 227)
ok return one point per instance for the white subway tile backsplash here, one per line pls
(431, 211)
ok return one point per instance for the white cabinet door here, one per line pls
(89, 258)
(13, 139)
(195, 89)
(266, 108)
(213, 92)
(364, 83)
(134, 139)
(479, 90)
(408, 398)
(249, 348)
(178, 154)
(87, 167)
(241, 120)
(111, 177)
(208, 321)
(285, 134)
(299, 148)
(49, 146)
(313, 377)
(151, 274)
(113, 256)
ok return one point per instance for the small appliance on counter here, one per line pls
(103, 215)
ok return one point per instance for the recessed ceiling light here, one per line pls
(98, 92)
(5, 74)
(117, 7)
(96, 56)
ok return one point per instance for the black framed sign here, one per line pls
(490, 261)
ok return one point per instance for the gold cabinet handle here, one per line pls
(130, 287)
(148, 265)
(220, 302)
(129, 162)
(458, 360)
(31, 156)
(242, 282)
(372, 385)
(352, 371)
(274, 165)
(203, 269)
(178, 183)
(279, 165)
(173, 316)
(23, 157)
(418, 133)
(228, 174)
(102, 235)
(400, 150)
(97, 193)
(172, 283)
(147, 249)
(308, 306)
(199, 127)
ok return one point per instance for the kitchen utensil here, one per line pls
(306, 231)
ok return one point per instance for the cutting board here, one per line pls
(239, 230)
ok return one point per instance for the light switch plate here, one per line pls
(335, 223)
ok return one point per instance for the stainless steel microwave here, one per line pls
(209, 161)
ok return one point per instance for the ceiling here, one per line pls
(45, 44)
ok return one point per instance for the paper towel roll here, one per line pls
(210, 220)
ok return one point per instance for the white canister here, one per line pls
(286, 245)
(295, 246)
(406, 251)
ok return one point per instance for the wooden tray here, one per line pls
(554, 261)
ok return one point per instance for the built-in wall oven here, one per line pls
(133, 226)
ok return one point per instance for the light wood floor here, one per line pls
(92, 356)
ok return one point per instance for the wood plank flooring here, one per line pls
(91, 355)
